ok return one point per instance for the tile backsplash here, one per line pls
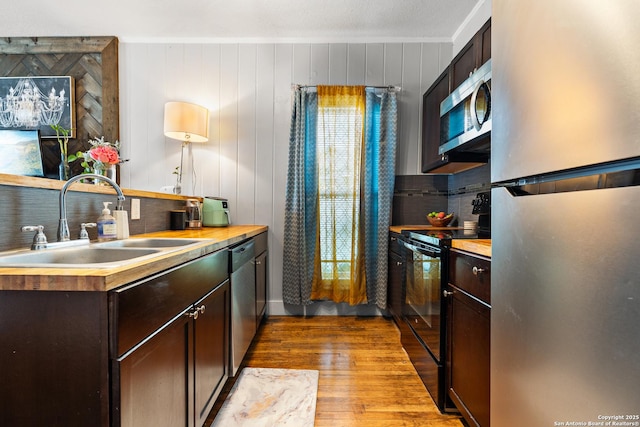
(417, 195)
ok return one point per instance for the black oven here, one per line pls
(424, 313)
(424, 310)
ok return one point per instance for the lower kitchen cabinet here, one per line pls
(171, 345)
(395, 282)
(150, 353)
(211, 349)
(468, 336)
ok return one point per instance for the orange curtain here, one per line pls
(340, 155)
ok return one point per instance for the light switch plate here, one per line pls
(135, 209)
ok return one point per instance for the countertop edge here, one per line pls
(107, 279)
(475, 246)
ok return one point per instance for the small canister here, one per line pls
(178, 219)
(194, 213)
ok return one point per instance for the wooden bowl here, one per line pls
(440, 222)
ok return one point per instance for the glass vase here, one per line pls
(105, 170)
(64, 170)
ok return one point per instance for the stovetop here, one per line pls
(442, 236)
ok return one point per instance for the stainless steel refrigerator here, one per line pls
(565, 168)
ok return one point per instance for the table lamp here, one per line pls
(187, 123)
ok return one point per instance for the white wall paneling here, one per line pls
(247, 88)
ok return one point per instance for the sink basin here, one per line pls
(77, 257)
(148, 243)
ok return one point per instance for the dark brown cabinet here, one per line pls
(211, 350)
(154, 352)
(395, 287)
(432, 161)
(473, 55)
(469, 336)
(170, 344)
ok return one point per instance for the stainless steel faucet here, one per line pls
(63, 226)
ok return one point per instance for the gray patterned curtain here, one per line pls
(300, 217)
(301, 209)
(380, 165)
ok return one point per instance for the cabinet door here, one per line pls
(395, 289)
(475, 53)
(463, 64)
(261, 286)
(154, 380)
(468, 361)
(211, 349)
(431, 100)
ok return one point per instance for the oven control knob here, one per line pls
(446, 293)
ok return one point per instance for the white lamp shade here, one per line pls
(186, 122)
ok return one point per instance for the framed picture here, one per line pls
(21, 152)
(36, 103)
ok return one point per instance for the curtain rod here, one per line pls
(390, 87)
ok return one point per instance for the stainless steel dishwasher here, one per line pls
(243, 301)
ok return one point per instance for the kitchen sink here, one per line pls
(148, 243)
(78, 254)
(76, 257)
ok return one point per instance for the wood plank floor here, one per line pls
(366, 378)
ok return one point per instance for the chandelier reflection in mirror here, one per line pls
(26, 106)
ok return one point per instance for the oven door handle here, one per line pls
(432, 254)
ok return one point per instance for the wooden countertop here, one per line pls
(476, 246)
(106, 279)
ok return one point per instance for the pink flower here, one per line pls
(105, 154)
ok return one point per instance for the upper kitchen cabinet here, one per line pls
(475, 53)
(472, 56)
(431, 100)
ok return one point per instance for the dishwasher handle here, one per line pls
(242, 254)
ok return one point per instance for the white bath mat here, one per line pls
(263, 397)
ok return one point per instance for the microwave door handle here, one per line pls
(474, 112)
(481, 86)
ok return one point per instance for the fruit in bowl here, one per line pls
(440, 219)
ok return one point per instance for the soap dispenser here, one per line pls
(122, 223)
(107, 229)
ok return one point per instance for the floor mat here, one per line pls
(271, 397)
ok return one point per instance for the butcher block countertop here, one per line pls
(476, 246)
(106, 279)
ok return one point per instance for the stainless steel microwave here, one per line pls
(465, 115)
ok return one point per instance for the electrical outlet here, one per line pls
(135, 208)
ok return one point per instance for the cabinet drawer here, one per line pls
(136, 311)
(472, 274)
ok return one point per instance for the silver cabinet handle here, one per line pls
(398, 263)
(446, 293)
(196, 312)
(477, 270)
